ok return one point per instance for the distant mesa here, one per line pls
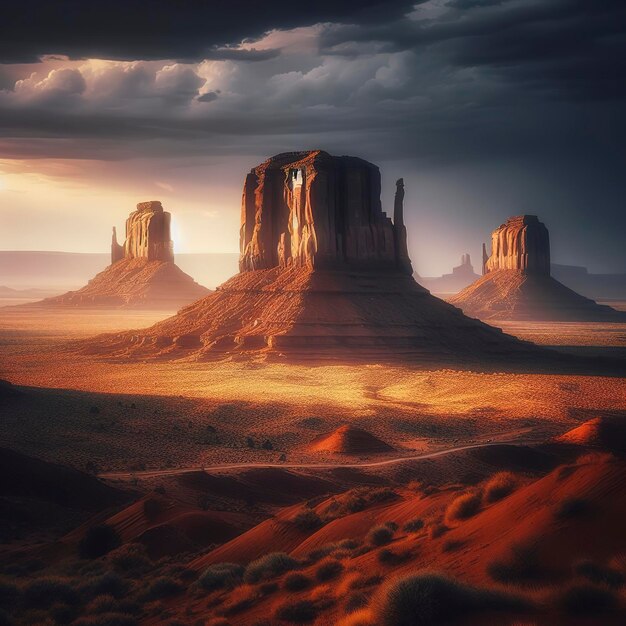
(462, 275)
(142, 273)
(349, 440)
(517, 285)
(324, 274)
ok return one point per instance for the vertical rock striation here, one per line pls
(148, 233)
(311, 209)
(521, 243)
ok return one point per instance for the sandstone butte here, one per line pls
(324, 274)
(142, 273)
(517, 285)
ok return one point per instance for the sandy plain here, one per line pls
(124, 415)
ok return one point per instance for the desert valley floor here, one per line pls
(230, 452)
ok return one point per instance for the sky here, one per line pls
(486, 108)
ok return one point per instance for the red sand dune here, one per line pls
(349, 440)
(606, 433)
(166, 526)
(529, 519)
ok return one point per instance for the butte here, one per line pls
(516, 282)
(142, 273)
(324, 274)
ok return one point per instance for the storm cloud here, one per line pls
(523, 90)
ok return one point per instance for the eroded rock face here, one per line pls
(316, 210)
(147, 234)
(521, 243)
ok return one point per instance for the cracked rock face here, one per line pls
(147, 235)
(521, 243)
(311, 209)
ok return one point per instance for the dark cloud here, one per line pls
(164, 29)
(530, 90)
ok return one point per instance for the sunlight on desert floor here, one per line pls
(31, 342)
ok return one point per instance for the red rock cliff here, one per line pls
(521, 243)
(313, 209)
(147, 234)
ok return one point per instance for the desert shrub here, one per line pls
(414, 525)
(599, 574)
(328, 569)
(499, 486)
(9, 594)
(522, 566)
(42, 593)
(295, 581)
(389, 557)
(151, 508)
(379, 536)
(463, 507)
(107, 619)
(429, 599)
(130, 558)
(587, 600)
(63, 613)
(452, 545)
(267, 445)
(307, 519)
(102, 604)
(98, 541)
(268, 566)
(572, 508)
(355, 601)
(300, 612)
(436, 529)
(162, 587)
(266, 589)
(360, 498)
(392, 526)
(345, 545)
(221, 576)
(111, 584)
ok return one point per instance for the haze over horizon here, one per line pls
(486, 108)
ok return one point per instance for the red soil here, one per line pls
(530, 519)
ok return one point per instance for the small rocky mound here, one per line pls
(349, 440)
(606, 433)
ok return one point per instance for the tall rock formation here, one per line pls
(142, 273)
(521, 243)
(148, 233)
(324, 274)
(516, 282)
(311, 209)
(117, 251)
